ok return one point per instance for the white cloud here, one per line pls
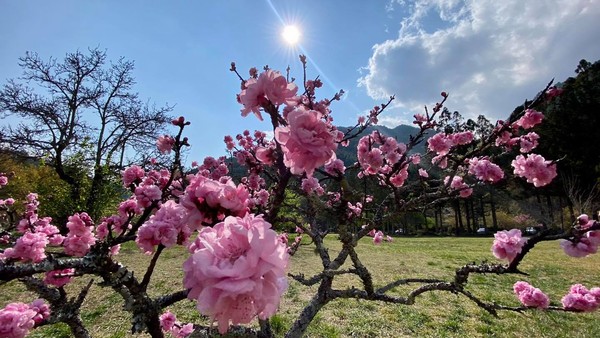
(489, 55)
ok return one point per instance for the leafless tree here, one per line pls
(85, 106)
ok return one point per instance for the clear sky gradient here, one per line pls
(489, 55)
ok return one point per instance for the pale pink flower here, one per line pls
(146, 194)
(530, 119)
(311, 185)
(485, 170)
(528, 142)
(335, 167)
(165, 144)
(462, 138)
(535, 169)
(237, 271)
(398, 179)
(440, 143)
(530, 296)
(507, 244)
(265, 155)
(166, 227)
(308, 141)
(582, 299)
(582, 247)
(270, 86)
(423, 173)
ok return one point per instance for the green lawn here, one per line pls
(435, 314)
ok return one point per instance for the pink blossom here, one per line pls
(133, 175)
(462, 138)
(129, 208)
(485, 170)
(80, 237)
(584, 221)
(16, 319)
(146, 194)
(553, 92)
(507, 244)
(378, 238)
(535, 169)
(335, 167)
(582, 299)
(457, 183)
(398, 179)
(581, 247)
(440, 143)
(42, 310)
(270, 86)
(530, 296)
(237, 271)
(165, 144)
(166, 227)
(307, 141)
(265, 155)
(59, 278)
(167, 320)
(3, 180)
(311, 185)
(29, 247)
(528, 142)
(530, 119)
(423, 173)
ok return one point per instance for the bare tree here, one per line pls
(81, 106)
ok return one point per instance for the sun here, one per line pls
(291, 34)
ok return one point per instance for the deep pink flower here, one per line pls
(507, 244)
(16, 319)
(580, 298)
(42, 310)
(530, 296)
(29, 247)
(237, 270)
(308, 141)
(167, 320)
(59, 278)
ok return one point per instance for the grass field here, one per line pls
(435, 314)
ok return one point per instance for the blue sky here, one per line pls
(490, 55)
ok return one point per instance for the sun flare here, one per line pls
(291, 34)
